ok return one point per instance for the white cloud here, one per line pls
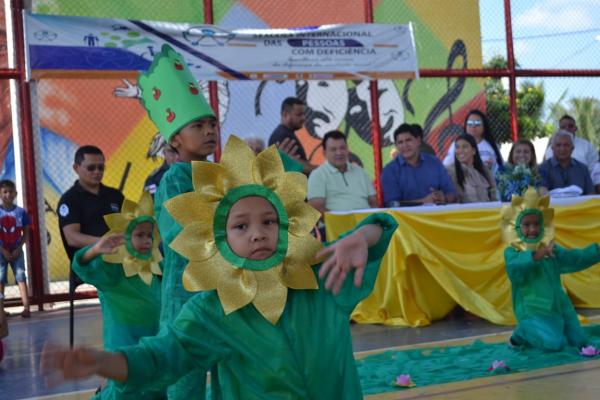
(523, 48)
(559, 15)
(570, 2)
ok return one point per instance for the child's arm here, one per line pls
(92, 269)
(577, 259)
(7, 254)
(80, 363)
(359, 253)
(346, 254)
(547, 251)
(194, 340)
(519, 263)
(24, 238)
(106, 245)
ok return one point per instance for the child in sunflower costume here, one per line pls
(546, 318)
(265, 316)
(124, 267)
(176, 105)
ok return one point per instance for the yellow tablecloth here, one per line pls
(443, 256)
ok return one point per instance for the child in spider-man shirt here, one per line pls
(14, 232)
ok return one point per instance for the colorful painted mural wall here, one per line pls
(73, 112)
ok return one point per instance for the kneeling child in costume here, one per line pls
(546, 318)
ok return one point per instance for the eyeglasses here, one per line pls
(474, 122)
(94, 167)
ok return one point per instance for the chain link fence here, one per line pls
(464, 34)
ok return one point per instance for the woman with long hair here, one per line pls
(478, 126)
(472, 180)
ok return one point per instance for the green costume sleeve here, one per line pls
(576, 259)
(350, 295)
(289, 164)
(190, 342)
(95, 272)
(519, 263)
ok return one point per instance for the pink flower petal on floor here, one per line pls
(404, 380)
(498, 365)
(588, 351)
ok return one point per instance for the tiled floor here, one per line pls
(20, 377)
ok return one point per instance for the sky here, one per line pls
(548, 34)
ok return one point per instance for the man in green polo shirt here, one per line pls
(338, 185)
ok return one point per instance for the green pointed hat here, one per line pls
(170, 93)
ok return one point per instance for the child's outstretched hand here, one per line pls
(106, 245)
(59, 364)
(109, 244)
(129, 91)
(345, 254)
(547, 251)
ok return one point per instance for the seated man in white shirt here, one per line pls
(584, 151)
(338, 185)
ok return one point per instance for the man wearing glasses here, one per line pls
(81, 208)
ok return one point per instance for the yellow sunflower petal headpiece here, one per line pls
(203, 241)
(529, 203)
(134, 262)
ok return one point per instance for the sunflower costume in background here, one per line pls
(546, 318)
(269, 325)
(128, 285)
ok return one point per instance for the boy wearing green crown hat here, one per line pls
(124, 267)
(176, 105)
(178, 108)
(265, 314)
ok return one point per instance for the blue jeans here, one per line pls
(18, 267)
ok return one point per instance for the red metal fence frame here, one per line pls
(27, 145)
(38, 296)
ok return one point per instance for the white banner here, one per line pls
(67, 46)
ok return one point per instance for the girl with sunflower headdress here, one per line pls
(124, 266)
(264, 315)
(546, 318)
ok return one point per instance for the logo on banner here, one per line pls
(45, 36)
(207, 36)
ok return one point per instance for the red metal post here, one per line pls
(375, 126)
(512, 77)
(9, 74)
(29, 163)
(213, 91)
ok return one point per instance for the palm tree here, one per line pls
(586, 111)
